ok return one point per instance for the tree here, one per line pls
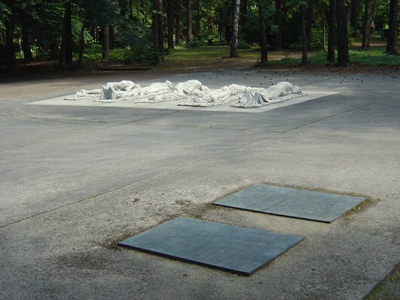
(264, 41)
(234, 44)
(243, 9)
(263, 16)
(66, 44)
(177, 22)
(170, 23)
(304, 39)
(189, 22)
(309, 22)
(26, 43)
(10, 53)
(366, 36)
(331, 31)
(342, 40)
(391, 46)
(160, 30)
(354, 17)
(278, 22)
(154, 23)
(105, 42)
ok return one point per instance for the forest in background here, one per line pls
(147, 31)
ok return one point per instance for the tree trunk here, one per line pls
(309, 22)
(155, 24)
(278, 22)
(106, 42)
(111, 35)
(366, 37)
(303, 36)
(177, 22)
(170, 22)
(323, 18)
(354, 17)
(235, 34)
(263, 42)
(81, 44)
(189, 22)
(243, 9)
(160, 30)
(10, 43)
(331, 31)
(391, 46)
(343, 41)
(66, 44)
(26, 44)
(196, 29)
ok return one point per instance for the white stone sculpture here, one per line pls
(193, 92)
(257, 97)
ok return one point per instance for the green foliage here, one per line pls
(132, 22)
(375, 57)
(142, 56)
(243, 45)
(318, 38)
(137, 38)
(195, 43)
(93, 53)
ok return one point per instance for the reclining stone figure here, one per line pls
(194, 93)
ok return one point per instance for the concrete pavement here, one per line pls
(76, 180)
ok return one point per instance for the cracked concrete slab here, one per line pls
(77, 180)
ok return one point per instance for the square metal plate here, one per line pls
(290, 202)
(229, 248)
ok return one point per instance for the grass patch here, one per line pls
(374, 57)
(183, 57)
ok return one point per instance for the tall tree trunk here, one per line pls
(26, 44)
(66, 44)
(177, 22)
(189, 22)
(309, 22)
(323, 18)
(170, 23)
(278, 22)
(160, 30)
(111, 35)
(354, 17)
(366, 37)
(343, 40)
(234, 44)
(263, 41)
(81, 44)
(243, 9)
(391, 46)
(106, 42)
(303, 35)
(331, 31)
(155, 24)
(9, 24)
(196, 28)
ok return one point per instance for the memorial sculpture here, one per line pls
(192, 93)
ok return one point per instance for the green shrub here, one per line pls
(243, 45)
(195, 44)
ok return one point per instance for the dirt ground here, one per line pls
(37, 76)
